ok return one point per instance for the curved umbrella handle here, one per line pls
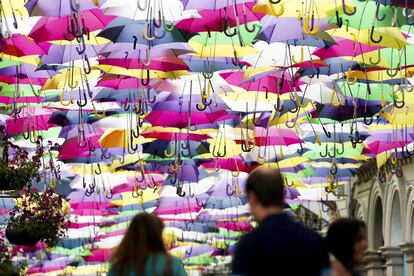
(142, 6)
(155, 22)
(167, 28)
(344, 8)
(379, 18)
(313, 29)
(378, 58)
(371, 36)
(339, 21)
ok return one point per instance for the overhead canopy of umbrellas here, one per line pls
(165, 106)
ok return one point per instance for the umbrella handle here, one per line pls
(208, 72)
(407, 17)
(274, 2)
(81, 139)
(147, 60)
(109, 155)
(393, 72)
(409, 84)
(200, 203)
(169, 154)
(180, 191)
(301, 57)
(229, 190)
(348, 77)
(167, 28)
(260, 160)
(87, 69)
(62, 102)
(143, 6)
(99, 171)
(371, 36)
(155, 22)
(225, 25)
(82, 48)
(91, 147)
(379, 18)
(323, 155)
(278, 107)
(344, 8)
(98, 115)
(378, 58)
(246, 25)
(400, 104)
(146, 81)
(333, 98)
(313, 29)
(81, 103)
(72, 84)
(145, 34)
(74, 6)
(301, 150)
(339, 21)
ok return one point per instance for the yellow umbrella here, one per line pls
(139, 73)
(293, 8)
(391, 37)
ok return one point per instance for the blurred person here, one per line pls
(347, 242)
(142, 251)
(278, 246)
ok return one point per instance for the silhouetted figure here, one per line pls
(142, 251)
(278, 246)
(347, 242)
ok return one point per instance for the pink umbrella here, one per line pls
(99, 255)
(244, 226)
(161, 64)
(55, 28)
(19, 45)
(214, 20)
(344, 47)
(124, 82)
(381, 146)
(231, 164)
(168, 136)
(278, 82)
(71, 148)
(180, 119)
(29, 119)
(276, 136)
(14, 80)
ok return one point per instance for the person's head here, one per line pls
(144, 236)
(265, 192)
(347, 241)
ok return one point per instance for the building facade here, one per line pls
(385, 201)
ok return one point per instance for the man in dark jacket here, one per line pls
(278, 246)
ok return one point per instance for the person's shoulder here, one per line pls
(307, 233)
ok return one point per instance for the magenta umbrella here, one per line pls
(381, 146)
(124, 82)
(19, 45)
(73, 148)
(277, 82)
(344, 47)
(55, 28)
(276, 136)
(29, 119)
(214, 20)
(181, 119)
(161, 64)
(211, 4)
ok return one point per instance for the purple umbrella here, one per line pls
(58, 8)
(60, 54)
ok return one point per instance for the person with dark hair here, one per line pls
(347, 242)
(278, 246)
(142, 251)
